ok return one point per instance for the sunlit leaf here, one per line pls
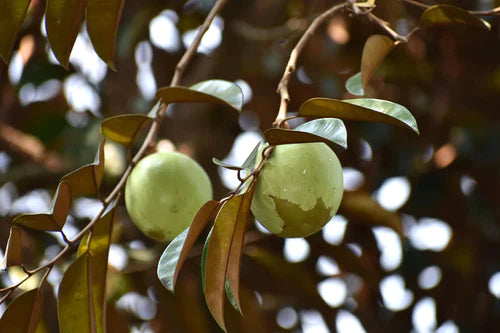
(102, 24)
(23, 313)
(376, 48)
(176, 253)
(354, 85)
(361, 207)
(236, 250)
(12, 15)
(446, 14)
(218, 256)
(326, 130)
(211, 91)
(14, 250)
(363, 109)
(55, 218)
(123, 128)
(226, 165)
(75, 306)
(63, 19)
(252, 158)
(87, 179)
(153, 113)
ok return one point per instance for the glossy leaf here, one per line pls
(55, 218)
(177, 251)
(376, 48)
(211, 91)
(361, 207)
(14, 250)
(446, 14)
(63, 19)
(23, 313)
(251, 158)
(319, 130)
(218, 256)
(12, 15)
(363, 109)
(153, 113)
(354, 85)
(102, 24)
(87, 179)
(225, 165)
(204, 259)
(123, 129)
(75, 306)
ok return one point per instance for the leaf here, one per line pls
(23, 313)
(225, 165)
(103, 18)
(252, 158)
(98, 248)
(376, 48)
(204, 259)
(446, 14)
(177, 251)
(12, 15)
(361, 207)
(14, 250)
(318, 130)
(75, 306)
(153, 113)
(364, 109)
(218, 256)
(123, 129)
(63, 19)
(55, 218)
(236, 251)
(87, 179)
(354, 86)
(211, 91)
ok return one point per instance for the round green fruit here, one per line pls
(298, 190)
(163, 193)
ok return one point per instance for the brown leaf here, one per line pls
(123, 129)
(23, 313)
(12, 15)
(14, 250)
(376, 48)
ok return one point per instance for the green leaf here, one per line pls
(204, 259)
(376, 48)
(23, 313)
(446, 14)
(354, 86)
(252, 158)
(153, 113)
(225, 165)
(14, 250)
(318, 130)
(102, 24)
(63, 19)
(177, 251)
(363, 109)
(123, 129)
(230, 296)
(55, 218)
(211, 91)
(12, 15)
(87, 179)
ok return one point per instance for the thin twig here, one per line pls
(292, 62)
(381, 23)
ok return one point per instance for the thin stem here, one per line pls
(190, 52)
(381, 23)
(292, 61)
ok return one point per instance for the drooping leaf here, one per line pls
(12, 15)
(14, 250)
(98, 248)
(252, 158)
(75, 306)
(354, 85)
(319, 130)
(176, 253)
(218, 256)
(361, 207)
(376, 48)
(363, 109)
(63, 19)
(55, 218)
(230, 296)
(23, 313)
(102, 24)
(87, 179)
(236, 251)
(211, 91)
(123, 129)
(204, 259)
(226, 165)
(447, 14)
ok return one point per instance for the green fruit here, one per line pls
(164, 192)
(298, 190)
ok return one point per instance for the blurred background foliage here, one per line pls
(443, 275)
